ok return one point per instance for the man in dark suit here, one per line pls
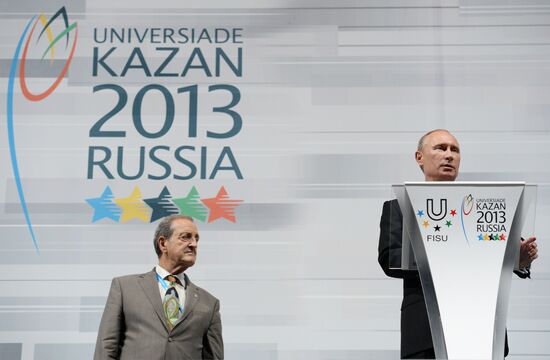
(438, 156)
(161, 314)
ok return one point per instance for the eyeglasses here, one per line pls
(188, 237)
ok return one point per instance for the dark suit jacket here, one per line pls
(133, 325)
(415, 328)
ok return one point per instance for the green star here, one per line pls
(448, 223)
(191, 205)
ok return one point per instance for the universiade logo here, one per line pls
(490, 223)
(467, 204)
(465, 210)
(45, 44)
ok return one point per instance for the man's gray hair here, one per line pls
(164, 229)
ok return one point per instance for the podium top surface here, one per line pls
(463, 183)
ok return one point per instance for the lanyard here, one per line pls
(162, 282)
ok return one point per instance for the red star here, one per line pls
(453, 212)
(221, 206)
(502, 237)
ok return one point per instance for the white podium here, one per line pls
(465, 237)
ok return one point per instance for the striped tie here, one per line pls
(171, 303)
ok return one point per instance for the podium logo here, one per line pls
(45, 42)
(436, 221)
(491, 219)
(466, 207)
(467, 204)
(441, 211)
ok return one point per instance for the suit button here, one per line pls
(169, 339)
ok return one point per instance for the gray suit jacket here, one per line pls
(133, 325)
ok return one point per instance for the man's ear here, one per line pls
(162, 244)
(418, 158)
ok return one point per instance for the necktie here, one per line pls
(171, 303)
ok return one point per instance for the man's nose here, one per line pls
(449, 154)
(193, 242)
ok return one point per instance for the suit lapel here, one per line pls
(149, 284)
(191, 298)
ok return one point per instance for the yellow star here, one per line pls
(485, 237)
(426, 224)
(133, 207)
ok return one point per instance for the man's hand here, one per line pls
(527, 252)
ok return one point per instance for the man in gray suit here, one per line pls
(161, 314)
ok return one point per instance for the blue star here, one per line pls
(104, 206)
(480, 237)
(162, 205)
(420, 213)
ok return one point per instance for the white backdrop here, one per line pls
(334, 96)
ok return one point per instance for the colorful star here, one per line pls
(453, 212)
(104, 207)
(133, 207)
(502, 237)
(221, 206)
(480, 237)
(162, 205)
(448, 223)
(485, 237)
(191, 205)
(426, 224)
(495, 237)
(437, 228)
(420, 213)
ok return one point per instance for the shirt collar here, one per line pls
(162, 272)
